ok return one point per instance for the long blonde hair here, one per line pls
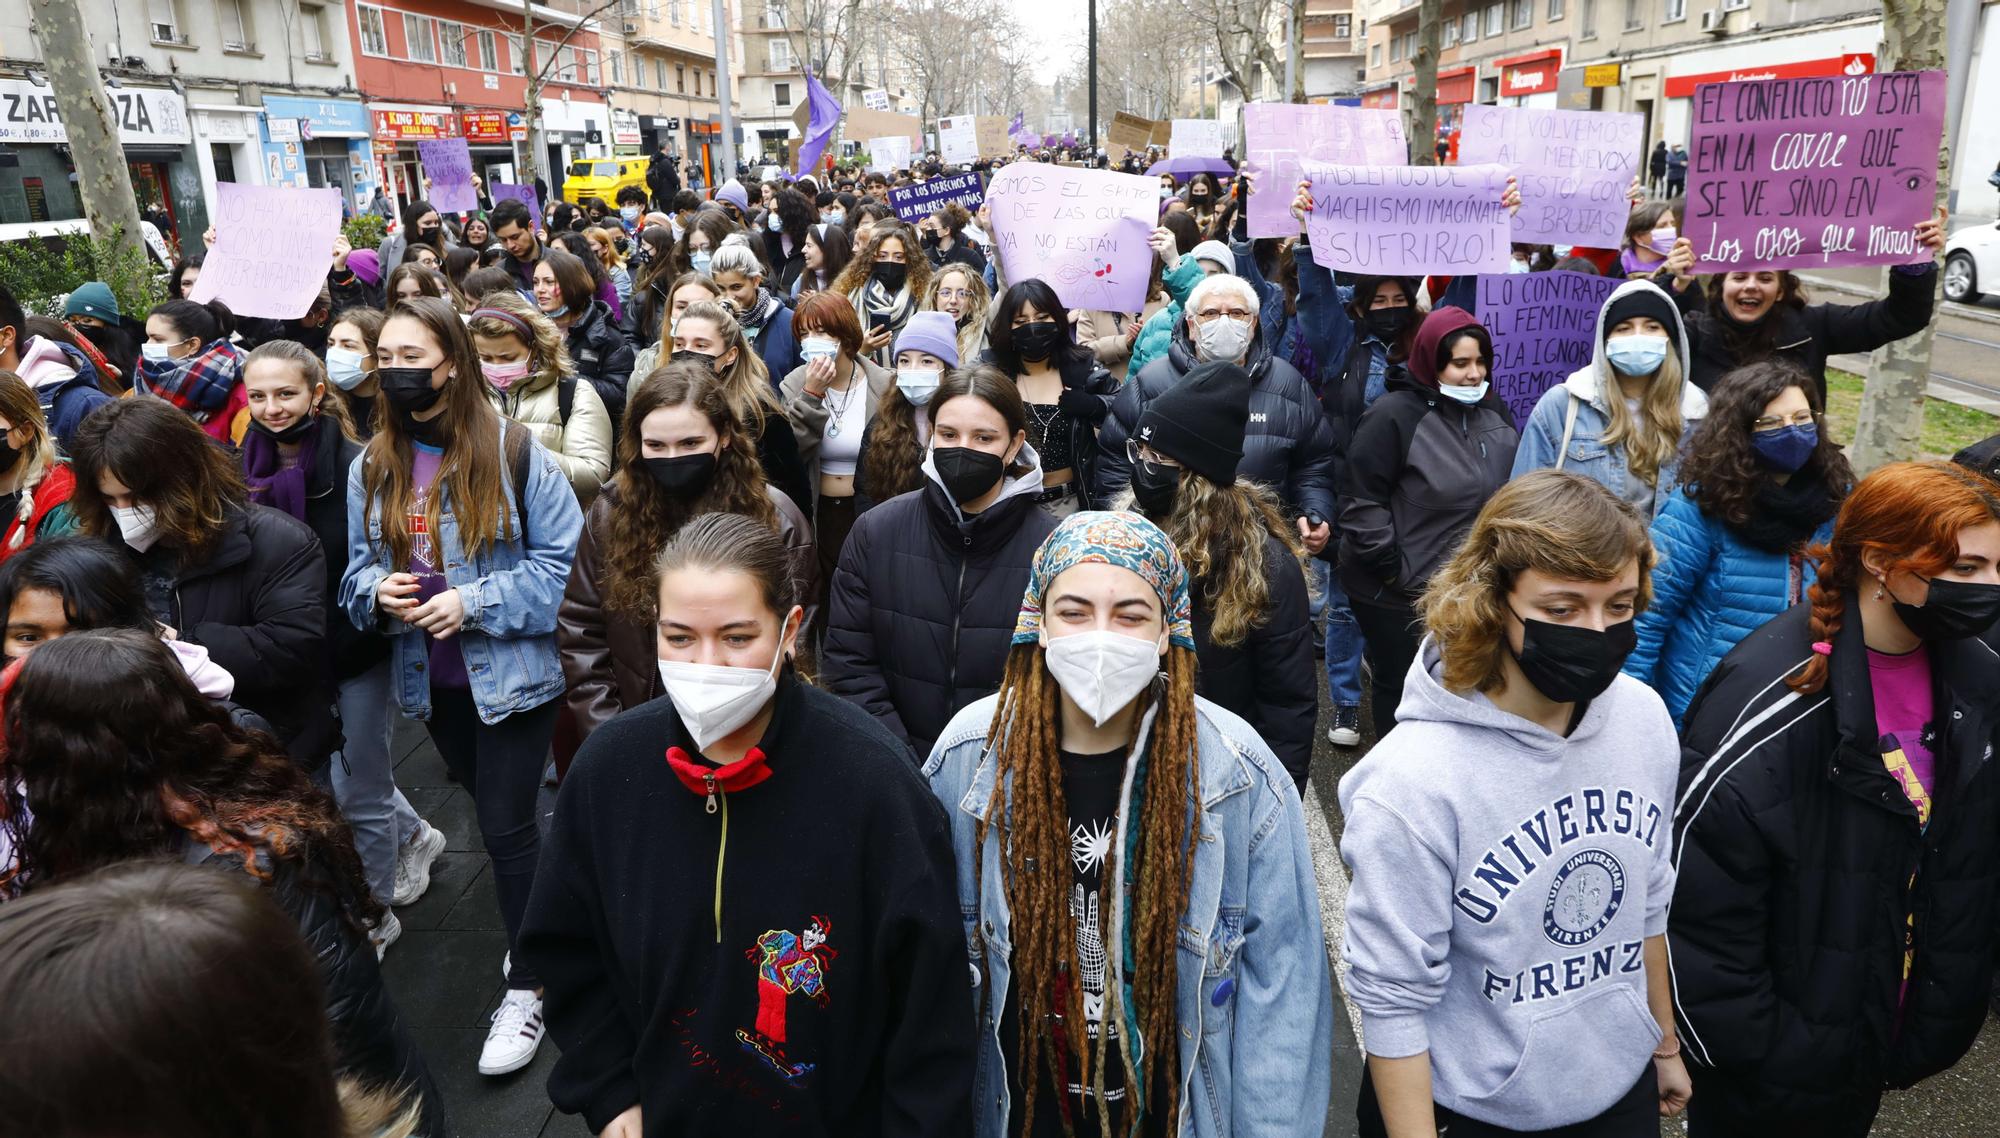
(972, 334)
(1219, 532)
(1651, 442)
(746, 383)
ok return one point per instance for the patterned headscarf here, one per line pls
(1120, 538)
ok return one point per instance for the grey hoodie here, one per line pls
(1505, 882)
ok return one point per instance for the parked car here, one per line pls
(602, 178)
(1972, 259)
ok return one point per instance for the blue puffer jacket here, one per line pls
(1710, 590)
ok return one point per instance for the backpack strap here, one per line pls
(565, 399)
(520, 452)
(1569, 428)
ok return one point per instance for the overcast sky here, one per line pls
(1056, 31)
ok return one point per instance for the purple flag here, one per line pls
(825, 114)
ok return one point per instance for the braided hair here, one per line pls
(22, 411)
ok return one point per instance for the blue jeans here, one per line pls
(1343, 639)
(364, 780)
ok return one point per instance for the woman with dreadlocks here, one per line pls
(1151, 912)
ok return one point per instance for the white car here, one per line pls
(1972, 261)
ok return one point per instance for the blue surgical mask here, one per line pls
(558, 312)
(629, 213)
(1465, 395)
(835, 217)
(1636, 355)
(343, 367)
(773, 222)
(700, 258)
(156, 353)
(1519, 267)
(1787, 448)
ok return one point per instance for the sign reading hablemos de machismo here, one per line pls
(1799, 173)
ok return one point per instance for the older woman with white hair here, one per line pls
(765, 319)
(1288, 447)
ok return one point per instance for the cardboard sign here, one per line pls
(449, 165)
(1544, 328)
(1083, 231)
(990, 136)
(1128, 132)
(273, 247)
(502, 191)
(1278, 136)
(1799, 173)
(914, 203)
(889, 153)
(1409, 220)
(859, 124)
(958, 140)
(1196, 138)
(1573, 166)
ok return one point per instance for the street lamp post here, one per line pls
(1091, 143)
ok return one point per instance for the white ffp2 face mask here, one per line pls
(716, 699)
(138, 525)
(1102, 672)
(1224, 338)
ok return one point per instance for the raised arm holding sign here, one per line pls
(1083, 231)
(1409, 220)
(1573, 166)
(1278, 136)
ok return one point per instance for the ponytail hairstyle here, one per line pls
(204, 322)
(1559, 524)
(313, 372)
(22, 410)
(1907, 513)
(646, 515)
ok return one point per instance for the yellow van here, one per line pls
(603, 178)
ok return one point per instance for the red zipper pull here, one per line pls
(709, 779)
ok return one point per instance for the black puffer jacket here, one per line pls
(1806, 336)
(1287, 445)
(258, 602)
(924, 604)
(371, 1044)
(1800, 861)
(1268, 679)
(603, 356)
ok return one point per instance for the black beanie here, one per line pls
(1200, 420)
(1645, 302)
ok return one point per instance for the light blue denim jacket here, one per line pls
(1254, 1004)
(510, 590)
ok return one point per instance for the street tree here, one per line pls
(103, 180)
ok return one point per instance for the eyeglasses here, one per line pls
(1138, 452)
(954, 294)
(1779, 422)
(1238, 314)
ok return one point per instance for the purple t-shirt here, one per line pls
(1904, 708)
(447, 662)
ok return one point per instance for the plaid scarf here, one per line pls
(200, 385)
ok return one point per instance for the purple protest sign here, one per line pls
(449, 165)
(1083, 231)
(914, 203)
(273, 247)
(1574, 168)
(1408, 220)
(507, 191)
(1279, 136)
(1808, 173)
(1544, 327)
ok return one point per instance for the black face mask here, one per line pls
(929, 240)
(686, 355)
(891, 275)
(1155, 486)
(967, 473)
(1037, 341)
(683, 476)
(294, 433)
(1386, 324)
(408, 389)
(1570, 664)
(1956, 610)
(9, 453)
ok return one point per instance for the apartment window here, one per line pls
(516, 57)
(236, 27)
(782, 92)
(660, 74)
(1586, 15)
(781, 54)
(1471, 27)
(591, 74)
(165, 18)
(1495, 13)
(420, 38)
(489, 52)
(1677, 10)
(1396, 49)
(774, 15)
(566, 69)
(374, 41)
(617, 60)
(1524, 14)
(1451, 33)
(681, 78)
(312, 31)
(452, 37)
(1635, 15)
(674, 11)
(1343, 26)
(1555, 9)
(697, 82)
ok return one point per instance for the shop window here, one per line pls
(419, 38)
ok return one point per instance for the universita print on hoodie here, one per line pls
(1505, 881)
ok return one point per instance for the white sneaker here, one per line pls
(413, 863)
(516, 1033)
(384, 934)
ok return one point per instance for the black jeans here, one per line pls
(1718, 1120)
(1636, 1115)
(500, 766)
(1390, 632)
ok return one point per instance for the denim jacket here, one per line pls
(1253, 1000)
(510, 590)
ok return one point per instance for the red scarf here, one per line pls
(707, 778)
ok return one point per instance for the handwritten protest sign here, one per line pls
(1408, 220)
(1573, 166)
(1278, 136)
(1797, 173)
(1129, 132)
(1082, 231)
(1196, 138)
(914, 203)
(1544, 327)
(523, 194)
(448, 164)
(273, 246)
(990, 134)
(958, 140)
(889, 153)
